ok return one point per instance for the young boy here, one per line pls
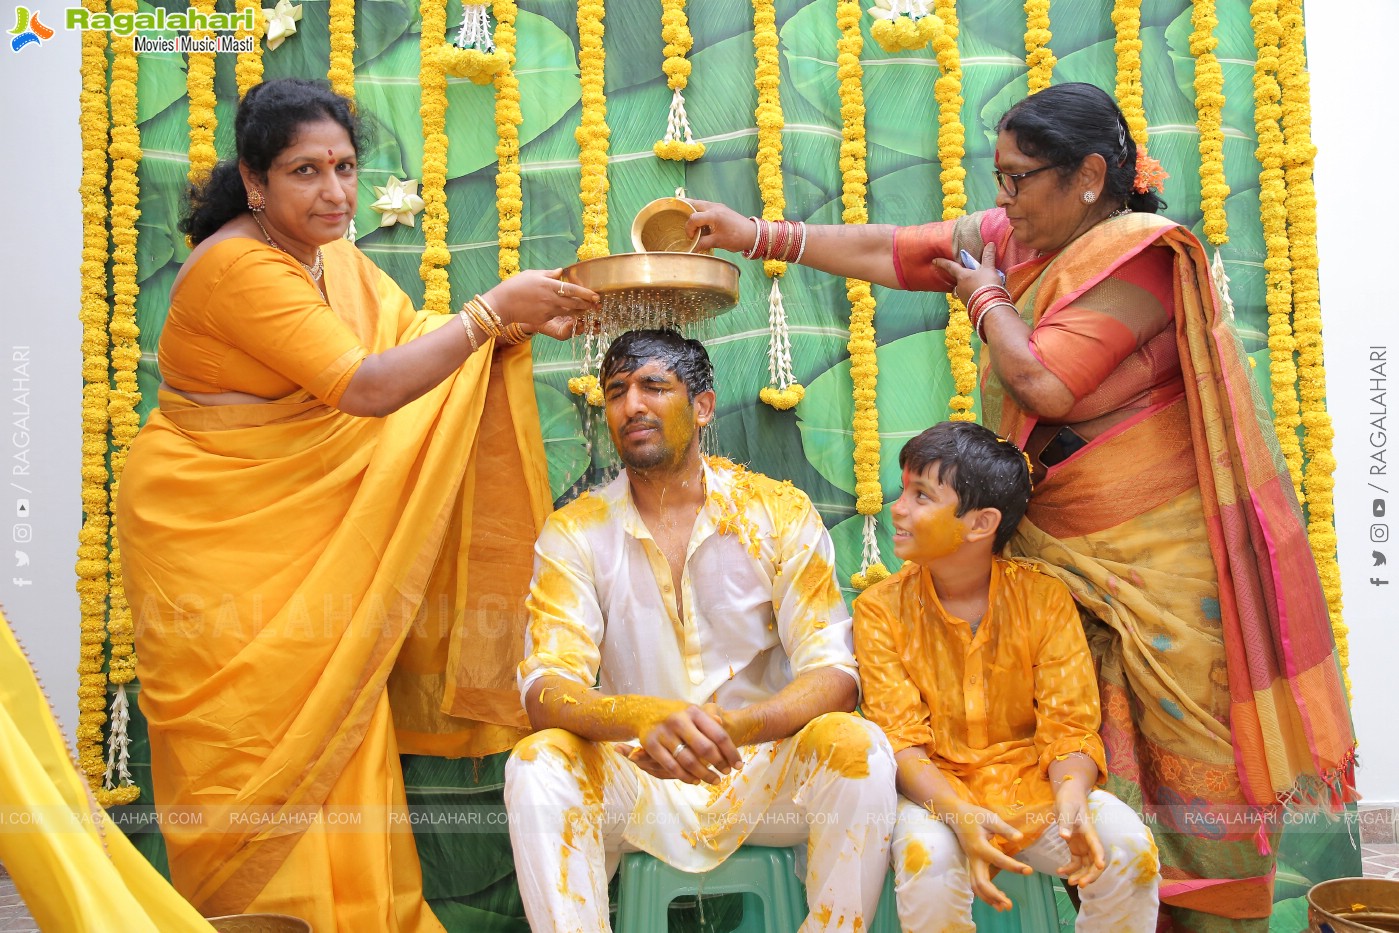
(977, 669)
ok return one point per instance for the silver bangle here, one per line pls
(752, 251)
(981, 321)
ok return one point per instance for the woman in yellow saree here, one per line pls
(314, 586)
(1160, 498)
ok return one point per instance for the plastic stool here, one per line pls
(648, 885)
(1033, 909)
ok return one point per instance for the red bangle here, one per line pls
(801, 246)
(779, 240)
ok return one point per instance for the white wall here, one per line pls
(1356, 174)
(1353, 124)
(40, 247)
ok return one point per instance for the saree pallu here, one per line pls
(1178, 531)
(280, 559)
(72, 866)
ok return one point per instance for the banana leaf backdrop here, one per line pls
(469, 876)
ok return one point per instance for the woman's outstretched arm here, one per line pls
(858, 251)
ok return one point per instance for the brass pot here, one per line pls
(259, 923)
(1354, 905)
(660, 227)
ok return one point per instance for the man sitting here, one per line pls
(701, 600)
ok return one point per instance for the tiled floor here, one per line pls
(1381, 861)
(13, 917)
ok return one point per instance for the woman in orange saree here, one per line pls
(314, 587)
(1160, 498)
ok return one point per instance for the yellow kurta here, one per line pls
(992, 710)
(282, 557)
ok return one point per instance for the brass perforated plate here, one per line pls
(640, 289)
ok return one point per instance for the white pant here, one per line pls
(934, 884)
(576, 805)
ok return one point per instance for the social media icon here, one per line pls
(1378, 533)
(1378, 558)
(21, 508)
(21, 559)
(1377, 507)
(22, 533)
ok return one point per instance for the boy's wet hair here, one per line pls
(983, 469)
(678, 354)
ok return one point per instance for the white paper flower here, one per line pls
(398, 201)
(281, 21)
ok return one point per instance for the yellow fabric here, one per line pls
(278, 558)
(74, 869)
(991, 709)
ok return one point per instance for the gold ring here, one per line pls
(560, 289)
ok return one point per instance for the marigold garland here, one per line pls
(248, 68)
(592, 133)
(125, 395)
(679, 142)
(509, 197)
(1318, 434)
(1039, 58)
(1209, 105)
(92, 565)
(952, 137)
(432, 77)
(199, 84)
(864, 365)
(903, 25)
(767, 78)
(783, 391)
(341, 73)
(475, 55)
(1272, 197)
(1127, 20)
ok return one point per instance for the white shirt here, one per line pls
(759, 593)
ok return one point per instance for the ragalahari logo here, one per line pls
(28, 30)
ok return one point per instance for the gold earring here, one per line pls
(257, 201)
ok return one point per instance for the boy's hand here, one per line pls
(1075, 821)
(975, 828)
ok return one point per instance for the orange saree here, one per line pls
(1178, 533)
(287, 563)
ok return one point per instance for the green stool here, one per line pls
(648, 885)
(1033, 909)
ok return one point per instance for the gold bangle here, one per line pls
(500, 325)
(470, 334)
(515, 334)
(482, 319)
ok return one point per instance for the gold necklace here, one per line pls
(315, 270)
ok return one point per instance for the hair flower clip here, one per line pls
(1150, 174)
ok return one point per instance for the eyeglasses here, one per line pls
(1010, 181)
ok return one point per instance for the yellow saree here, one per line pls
(281, 559)
(73, 867)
